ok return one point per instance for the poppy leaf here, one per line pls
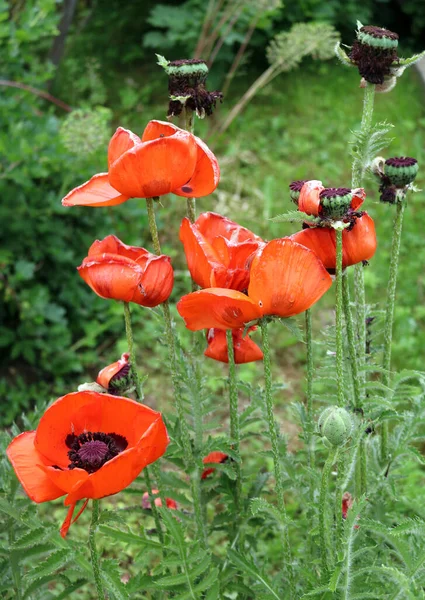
(259, 505)
(293, 327)
(250, 569)
(112, 579)
(130, 538)
(56, 560)
(293, 216)
(10, 510)
(32, 537)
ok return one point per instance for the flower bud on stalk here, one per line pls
(186, 86)
(335, 425)
(396, 175)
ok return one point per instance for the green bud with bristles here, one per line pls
(335, 425)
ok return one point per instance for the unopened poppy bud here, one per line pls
(335, 202)
(186, 86)
(295, 190)
(374, 53)
(335, 425)
(401, 171)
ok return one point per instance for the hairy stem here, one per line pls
(389, 312)
(310, 374)
(276, 455)
(93, 550)
(131, 351)
(191, 460)
(153, 505)
(234, 419)
(324, 533)
(338, 321)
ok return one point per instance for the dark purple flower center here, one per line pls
(379, 32)
(90, 451)
(296, 186)
(120, 379)
(334, 192)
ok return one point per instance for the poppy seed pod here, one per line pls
(401, 171)
(186, 86)
(295, 190)
(335, 202)
(335, 425)
(374, 52)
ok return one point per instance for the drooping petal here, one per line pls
(113, 245)
(217, 308)
(205, 177)
(212, 225)
(156, 283)
(112, 276)
(121, 141)
(69, 520)
(25, 460)
(245, 350)
(358, 243)
(309, 201)
(95, 192)
(200, 256)
(78, 412)
(286, 278)
(119, 472)
(359, 196)
(155, 167)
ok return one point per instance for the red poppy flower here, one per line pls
(114, 270)
(218, 251)
(87, 445)
(213, 457)
(358, 243)
(245, 350)
(285, 280)
(146, 503)
(111, 376)
(309, 200)
(166, 159)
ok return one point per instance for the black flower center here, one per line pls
(401, 161)
(90, 451)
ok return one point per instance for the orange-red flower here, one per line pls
(114, 270)
(166, 159)
(87, 445)
(309, 199)
(218, 251)
(358, 242)
(111, 376)
(146, 503)
(285, 279)
(245, 350)
(213, 457)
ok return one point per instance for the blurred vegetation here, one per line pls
(54, 332)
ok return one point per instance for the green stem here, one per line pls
(324, 533)
(191, 461)
(153, 505)
(389, 312)
(358, 172)
(234, 420)
(338, 505)
(351, 340)
(276, 455)
(131, 351)
(310, 375)
(338, 321)
(93, 550)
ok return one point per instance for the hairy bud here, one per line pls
(335, 425)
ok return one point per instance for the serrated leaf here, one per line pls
(111, 577)
(292, 326)
(249, 568)
(293, 216)
(31, 538)
(9, 509)
(55, 561)
(111, 516)
(70, 589)
(131, 538)
(260, 505)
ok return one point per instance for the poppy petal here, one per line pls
(309, 201)
(155, 167)
(121, 141)
(201, 258)
(107, 373)
(89, 411)
(25, 460)
(69, 520)
(237, 258)
(113, 245)
(155, 129)
(111, 276)
(205, 177)
(217, 308)
(156, 283)
(359, 196)
(287, 278)
(119, 472)
(95, 192)
(358, 243)
(245, 350)
(212, 225)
